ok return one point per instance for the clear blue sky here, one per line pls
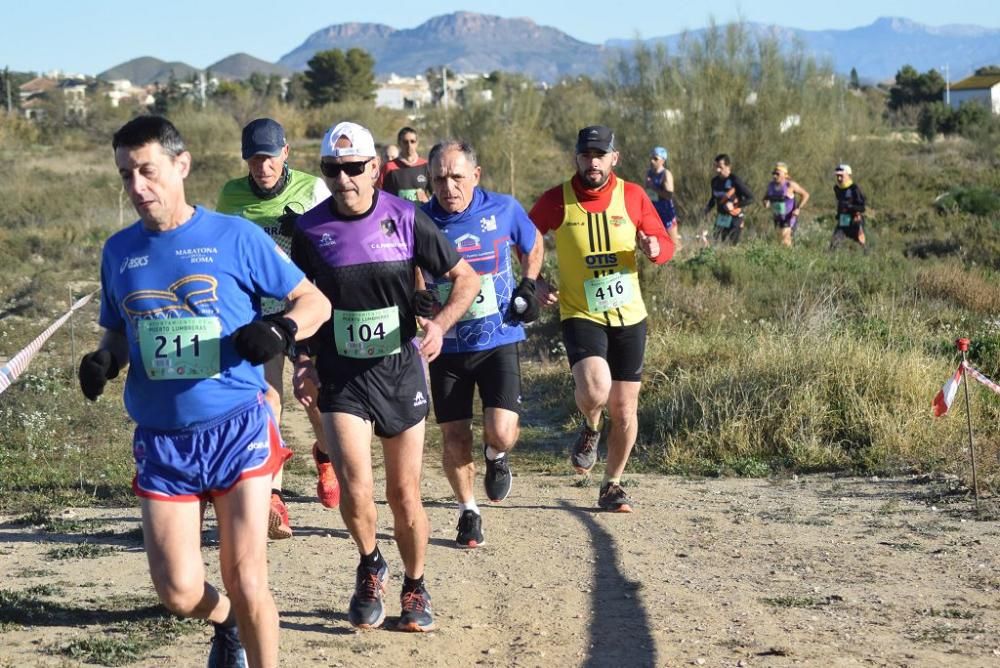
(89, 36)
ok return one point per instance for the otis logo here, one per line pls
(133, 263)
(602, 260)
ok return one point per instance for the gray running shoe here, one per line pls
(498, 478)
(584, 454)
(366, 610)
(470, 530)
(417, 614)
(614, 498)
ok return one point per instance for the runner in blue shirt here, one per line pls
(482, 348)
(181, 294)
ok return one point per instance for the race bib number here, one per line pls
(367, 334)
(607, 292)
(180, 348)
(778, 208)
(483, 305)
(724, 220)
(844, 220)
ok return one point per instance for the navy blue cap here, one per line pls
(263, 136)
(595, 138)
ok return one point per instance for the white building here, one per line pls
(984, 89)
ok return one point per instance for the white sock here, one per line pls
(492, 454)
(468, 505)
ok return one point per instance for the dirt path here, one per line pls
(814, 571)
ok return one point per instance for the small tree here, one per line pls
(334, 76)
(855, 82)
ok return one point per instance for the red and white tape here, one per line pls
(19, 362)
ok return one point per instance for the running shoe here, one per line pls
(614, 498)
(277, 519)
(227, 651)
(584, 454)
(366, 610)
(327, 487)
(470, 530)
(498, 478)
(417, 614)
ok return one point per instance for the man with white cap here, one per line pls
(360, 247)
(850, 208)
(272, 194)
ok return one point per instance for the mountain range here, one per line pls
(471, 42)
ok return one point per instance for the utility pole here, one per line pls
(947, 87)
(6, 87)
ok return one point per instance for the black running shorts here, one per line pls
(624, 348)
(391, 394)
(455, 376)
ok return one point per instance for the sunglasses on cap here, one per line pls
(333, 169)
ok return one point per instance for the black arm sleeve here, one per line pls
(300, 253)
(742, 191)
(431, 249)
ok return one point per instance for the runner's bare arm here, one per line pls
(465, 287)
(531, 262)
(308, 307)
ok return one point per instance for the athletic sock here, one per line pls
(374, 560)
(412, 584)
(594, 427)
(468, 505)
(492, 454)
(617, 481)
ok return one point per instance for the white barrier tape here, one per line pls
(19, 362)
(978, 375)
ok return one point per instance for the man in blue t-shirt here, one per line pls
(181, 292)
(481, 349)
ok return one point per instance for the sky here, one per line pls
(90, 36)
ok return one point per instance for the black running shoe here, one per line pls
(367, 610)
(614, 498)
(227, 651)
(470, 530)
(417, 614)
(584, 454)
(498, 478)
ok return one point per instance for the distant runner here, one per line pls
(660, 182)
(407, 175)
(729, 198)
(780, 198)
(850, 209)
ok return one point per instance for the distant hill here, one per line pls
(878, 50)
(146, 70)
(241, 66)
(464, 41)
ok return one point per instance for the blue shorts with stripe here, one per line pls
(208, 459)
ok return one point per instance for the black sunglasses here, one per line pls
(333, 169)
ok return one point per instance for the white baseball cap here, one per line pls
(361, 141)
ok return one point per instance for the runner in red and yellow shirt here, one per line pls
(599, 222)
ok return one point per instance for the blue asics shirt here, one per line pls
(483, 234)
(214, 268)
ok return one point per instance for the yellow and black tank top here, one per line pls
(598, 277)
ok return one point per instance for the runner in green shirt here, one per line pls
(270, 195)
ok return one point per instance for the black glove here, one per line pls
(96, 369)
(527, 309)
(286, 221)
(260, 340)
(425, 303)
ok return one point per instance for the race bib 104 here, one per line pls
(367, 334)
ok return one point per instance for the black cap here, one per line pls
(595, 138)
(263, 136)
